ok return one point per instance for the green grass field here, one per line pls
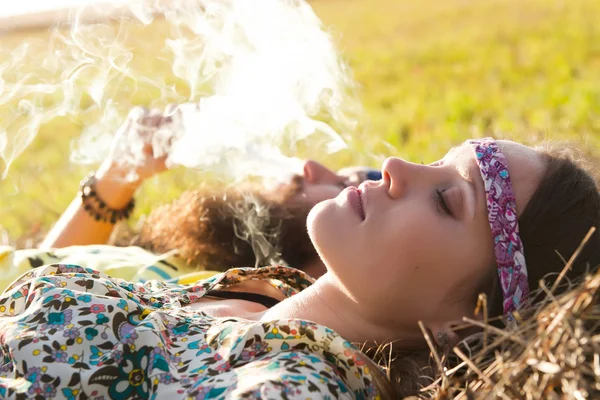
(430, 75)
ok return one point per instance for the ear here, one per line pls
(447, 334)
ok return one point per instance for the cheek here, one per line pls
(453, 267)
(406, 236)
(314, 194)
(421, 251)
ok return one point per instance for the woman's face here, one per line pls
(417, 246)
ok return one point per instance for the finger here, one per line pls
(148, 150)
(129, 124)
(170, 112)
(137, 114)
(161, 163)
(153, 118)
(122, 130)
(145, 125)
(171, 109)
(155, 158)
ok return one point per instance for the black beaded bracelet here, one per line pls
(96, 207)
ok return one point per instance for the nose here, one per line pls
(315, 172)
(399, 173)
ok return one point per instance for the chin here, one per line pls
(324, 229)
(317, 222)
(314, 218)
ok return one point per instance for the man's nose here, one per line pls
(315, 172)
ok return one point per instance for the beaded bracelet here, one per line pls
(96, 207)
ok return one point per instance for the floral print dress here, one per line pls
(67, 331)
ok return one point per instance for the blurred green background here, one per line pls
(430, 74)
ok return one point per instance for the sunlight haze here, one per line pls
(25, 7)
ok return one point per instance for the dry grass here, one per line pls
(552, 353)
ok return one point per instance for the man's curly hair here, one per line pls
(235, 228)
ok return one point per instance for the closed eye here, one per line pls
(344, 183)
(441, 203)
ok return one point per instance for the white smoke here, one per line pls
(262, 75)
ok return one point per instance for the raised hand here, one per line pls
(139, 150)
(140, 146)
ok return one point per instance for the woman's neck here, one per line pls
(326, 303)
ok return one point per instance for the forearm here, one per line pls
(79, 227)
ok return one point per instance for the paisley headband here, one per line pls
(502, 216)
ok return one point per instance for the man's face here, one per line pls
(204, 226)
(319, 183)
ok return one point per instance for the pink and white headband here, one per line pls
(502, 216)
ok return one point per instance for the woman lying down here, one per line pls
(418, 245)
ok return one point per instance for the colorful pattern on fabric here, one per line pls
(72, 332)
(502, 216)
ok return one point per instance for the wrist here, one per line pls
(105, 201)
(112, 187)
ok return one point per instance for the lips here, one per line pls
(355, 200)
(362, 206)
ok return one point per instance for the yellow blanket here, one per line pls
(131, 263)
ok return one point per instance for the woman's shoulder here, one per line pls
(289, 280)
